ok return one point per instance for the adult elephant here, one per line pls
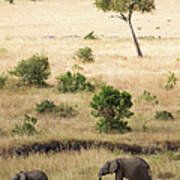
(30, 175)
(131, 168)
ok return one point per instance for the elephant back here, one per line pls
(36, 175)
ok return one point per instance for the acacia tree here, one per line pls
(125, 9)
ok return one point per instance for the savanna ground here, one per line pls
(26, 28)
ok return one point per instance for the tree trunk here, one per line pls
(135, 40)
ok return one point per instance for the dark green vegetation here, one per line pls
(62, 110)
(163, 115)
(33, 71)
(3, 80)
(73, 82)
(90, 36)
(45, 106)
(112, 107)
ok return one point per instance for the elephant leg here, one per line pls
(142, 174)
(118, 175)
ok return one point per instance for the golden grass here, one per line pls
(22, 35)
(23, 28)
(83, 165)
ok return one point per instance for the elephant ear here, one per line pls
(22, 176)
(113, 166)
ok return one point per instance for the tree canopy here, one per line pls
(126, 9)
(125, 6)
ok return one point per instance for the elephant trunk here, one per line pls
(100, 175)
(100, 178)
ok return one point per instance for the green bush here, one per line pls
(171, 80)
(84, 55)
(60, 110)
(147, 97)
(45, 106)
(163, 115)
(33, 71)
(3, 79)
(69, 82)
(112, 107)
(64, 110)
(28, 128)
(90, 36)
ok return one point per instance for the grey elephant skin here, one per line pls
(131, 168)
(30, 175)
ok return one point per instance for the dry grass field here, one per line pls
(84, 165)
(56, 28)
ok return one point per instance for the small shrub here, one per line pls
(60, 110)
(45, 106)
(69, 82)
(33, 71)
(65, 110)
(90, 36)
(84, 54)
(171, 81)
(28, 128)
(77, 67)
(111, 107)
(163, 115)
(3, 80)
(147, 97)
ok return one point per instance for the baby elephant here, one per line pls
(131, 168)
(30, 175)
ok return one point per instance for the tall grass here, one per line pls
(82, 165)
